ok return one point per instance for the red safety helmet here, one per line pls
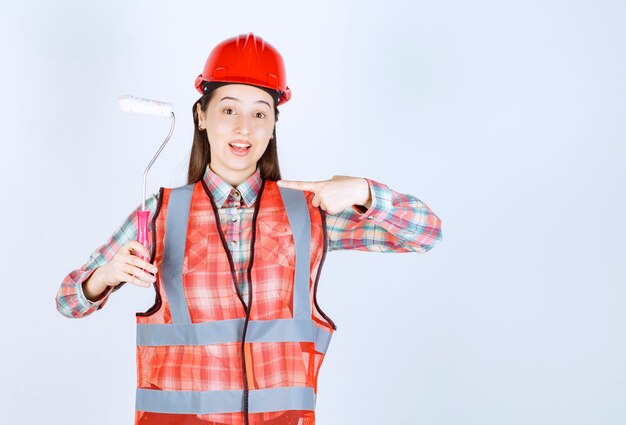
(246, 59)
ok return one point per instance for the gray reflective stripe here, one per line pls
(227, 401)
(174, 251)
(322, 339)
(224, 331)
(300, 223)
(280, 330)
(276, 399)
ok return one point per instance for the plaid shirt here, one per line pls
(395, 222)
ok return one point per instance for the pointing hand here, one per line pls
(336, 194)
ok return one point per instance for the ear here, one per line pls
(200, 114)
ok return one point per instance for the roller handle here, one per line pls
(142, 232)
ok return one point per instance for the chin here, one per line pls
(240, 165)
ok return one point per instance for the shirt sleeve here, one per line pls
(70, 299)
(394, 222)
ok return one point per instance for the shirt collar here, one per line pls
(223, 192)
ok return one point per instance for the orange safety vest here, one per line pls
(206, 357)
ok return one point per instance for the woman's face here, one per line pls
(239, 121)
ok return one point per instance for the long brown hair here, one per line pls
(200, 155)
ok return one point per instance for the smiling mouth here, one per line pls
(239, 148)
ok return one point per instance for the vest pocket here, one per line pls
(277, 244)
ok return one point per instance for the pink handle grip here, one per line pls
(142, 231)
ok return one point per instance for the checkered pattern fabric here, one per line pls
(394, 223)
(211, 295)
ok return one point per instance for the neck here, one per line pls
(233, 177)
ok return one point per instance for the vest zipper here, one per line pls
(319, 270)
(234, 276)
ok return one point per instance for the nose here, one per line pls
(243, 124)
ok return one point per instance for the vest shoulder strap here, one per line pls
(174, 251)
(300, 223)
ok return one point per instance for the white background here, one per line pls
(506, 118)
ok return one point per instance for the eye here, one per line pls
(226, 110)
(262, 115)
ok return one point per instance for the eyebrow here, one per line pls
(234, 98)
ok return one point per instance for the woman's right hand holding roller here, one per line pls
(125, 266)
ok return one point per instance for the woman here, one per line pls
(236, 335)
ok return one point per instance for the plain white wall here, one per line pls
(506, 118)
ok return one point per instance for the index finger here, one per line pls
(300, 185)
